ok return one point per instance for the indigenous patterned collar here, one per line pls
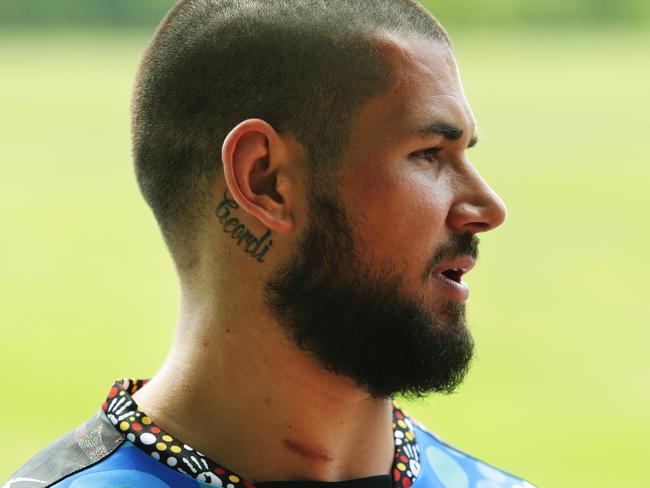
(137, 427)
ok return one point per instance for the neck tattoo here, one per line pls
(238, 231)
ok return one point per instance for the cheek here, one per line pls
(400, 215)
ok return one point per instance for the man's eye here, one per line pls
(430, 155)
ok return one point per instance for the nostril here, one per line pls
(481, 226)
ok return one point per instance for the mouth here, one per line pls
(454, 274)
(449, 276)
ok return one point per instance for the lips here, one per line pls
(449, 275)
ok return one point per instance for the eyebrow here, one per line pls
(448, 131)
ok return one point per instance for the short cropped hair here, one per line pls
(304, 66)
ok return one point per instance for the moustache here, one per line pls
(464, 244)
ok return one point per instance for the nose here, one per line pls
(476, 207)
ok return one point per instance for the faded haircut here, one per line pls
(304, 66)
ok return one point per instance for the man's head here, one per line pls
(343, 195)
(304, 67)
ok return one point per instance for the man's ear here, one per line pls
(254, 158)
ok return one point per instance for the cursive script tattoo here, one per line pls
(238, 231)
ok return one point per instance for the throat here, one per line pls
(307, 452)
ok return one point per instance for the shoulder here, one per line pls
(96, 455)
(445, 465)
(86, 445)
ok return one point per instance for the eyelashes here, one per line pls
(430, 155)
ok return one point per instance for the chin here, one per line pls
(450, 313)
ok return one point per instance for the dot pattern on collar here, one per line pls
(139, 429)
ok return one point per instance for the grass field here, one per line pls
(559, 392)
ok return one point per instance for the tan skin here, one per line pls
(268, 411)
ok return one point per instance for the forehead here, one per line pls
(426, 89)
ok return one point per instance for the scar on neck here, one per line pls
(307, 452)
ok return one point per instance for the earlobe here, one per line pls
(253, 156)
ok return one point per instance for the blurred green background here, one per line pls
(559, 392)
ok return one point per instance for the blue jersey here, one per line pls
(122, 447)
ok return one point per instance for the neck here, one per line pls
(265, 409)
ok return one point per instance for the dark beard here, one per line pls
(356, 322)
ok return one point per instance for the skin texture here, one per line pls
(269, 411)
(419, 200)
